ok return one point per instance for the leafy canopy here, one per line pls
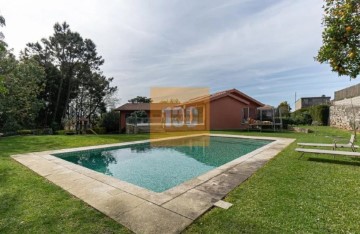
(341, 37)
(75, 85)
(3, 52)
(140, 99)
(285, 108)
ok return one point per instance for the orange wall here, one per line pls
(226, 113)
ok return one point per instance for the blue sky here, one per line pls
(263, 48)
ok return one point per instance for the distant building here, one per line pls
(311, 101)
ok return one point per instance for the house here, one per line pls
(311, 101)
(225, 110)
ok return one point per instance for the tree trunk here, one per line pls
(66, 107)
(58, 98)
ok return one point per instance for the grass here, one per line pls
(313, 194)
(31, 204)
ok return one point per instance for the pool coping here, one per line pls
(142, 210)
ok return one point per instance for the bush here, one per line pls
(43, 131)
(110, 121)
(306, 116)
(320, 114)
(70, 132)
(65, 132)
(287, 121)
(60, 132)
(11, 126)
(25, 132)
(301, 117)
(100, 130)
(55, 126)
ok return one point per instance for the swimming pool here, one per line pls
(164, 166)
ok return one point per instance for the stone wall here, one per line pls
(342, 113)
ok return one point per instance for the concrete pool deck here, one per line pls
(142, 210)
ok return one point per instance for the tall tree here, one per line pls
(3, 52)
(140, 99)
(24, 80)
(91, 99)
(69, 60)
(341, 37)
(2, 20)
(284, 107)
(2, 24)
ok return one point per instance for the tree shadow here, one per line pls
(356, 161)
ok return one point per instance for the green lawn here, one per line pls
(313, 194)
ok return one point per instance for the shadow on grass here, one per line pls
(335, 161)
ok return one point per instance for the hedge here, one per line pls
(320, 114)
(309, 115)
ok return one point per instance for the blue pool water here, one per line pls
(161, 167)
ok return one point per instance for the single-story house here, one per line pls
(225, 110)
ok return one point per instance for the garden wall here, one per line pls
(342, 112)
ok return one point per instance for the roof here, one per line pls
(266, 107)
(139, 106)
(233, 93)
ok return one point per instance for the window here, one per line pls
(195, 115)
(245, 114)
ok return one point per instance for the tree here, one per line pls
(111, 121)
(23, 80)
(140, 99)
(72, 67)
(2, 20)
(139, 114)
(90, 101)
(2, 54)
(2, 24)
(284, 108)
(341, 37)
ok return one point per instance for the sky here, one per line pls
(264, 48)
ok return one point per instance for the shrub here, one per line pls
(100, 130)
(301, 117)
(320, 114)
(55, 126)
(65, 132)
(110, 121)
(287, 121)
(43, 131)
(60, 132)
(11, 126)
(315, 114)
(70, 132)
(25, 132)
